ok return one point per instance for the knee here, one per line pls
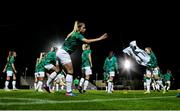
(7, 78)
(14, 78)
(70, 70)
(87, 77)
(57, 70)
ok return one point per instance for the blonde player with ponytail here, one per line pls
(72, 41)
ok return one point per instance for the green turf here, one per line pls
(99, 100)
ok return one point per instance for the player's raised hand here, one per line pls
(15, 72)
(104, 36)
(4, 71)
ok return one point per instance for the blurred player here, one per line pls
(10, 70)
(110, 67)
(40, 72)
(167, 78)
(105, 79)
(86, 68)
(160, 81)
(35, 74)
(51, 64)
(151, 68)
(59, 81)
(144, 81)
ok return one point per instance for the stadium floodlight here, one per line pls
(57, 42)
(58, 45)
(127, 64)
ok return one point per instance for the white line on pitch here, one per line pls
(41, 101)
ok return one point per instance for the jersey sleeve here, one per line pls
(80, 37)
(11, 60)
(89, 51)
(105, 64)
(116, 64)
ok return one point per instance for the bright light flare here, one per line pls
(127, 64)
(59, 46)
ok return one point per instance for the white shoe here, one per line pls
(40, 90)
(15, 89)
(147, 92)
(164, 91)
(7, 89)
(109, 92)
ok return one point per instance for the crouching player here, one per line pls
(59, 81)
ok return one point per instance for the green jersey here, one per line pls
(153, 61)
(161, 75)
(167, 76)
(71, 44)
(40, 66)
(36, 67)
(76, 81)
(9, 63)
(85, 58)
(50, 58)
(110, 64)
(144, 78)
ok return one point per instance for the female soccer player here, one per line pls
(51, 64)
(10, 70)
(151, 69)
(40, 72)
(73, 40)
(86, 68)
(110, 66)
(167, 78)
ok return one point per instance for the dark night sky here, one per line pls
(32, 32)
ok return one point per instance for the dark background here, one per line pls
(30, 30)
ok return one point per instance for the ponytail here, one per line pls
(75, 29)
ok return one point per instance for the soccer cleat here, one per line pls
(84, 91)
(70, 94)
(109, 92)
(47, 88)
(15, 89)
(52, 91)
(7, 89)
(164, 92)
(80, 89)
(40, 90)
(147, 92)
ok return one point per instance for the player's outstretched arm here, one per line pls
(104, 36)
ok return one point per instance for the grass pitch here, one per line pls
(91, 100)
